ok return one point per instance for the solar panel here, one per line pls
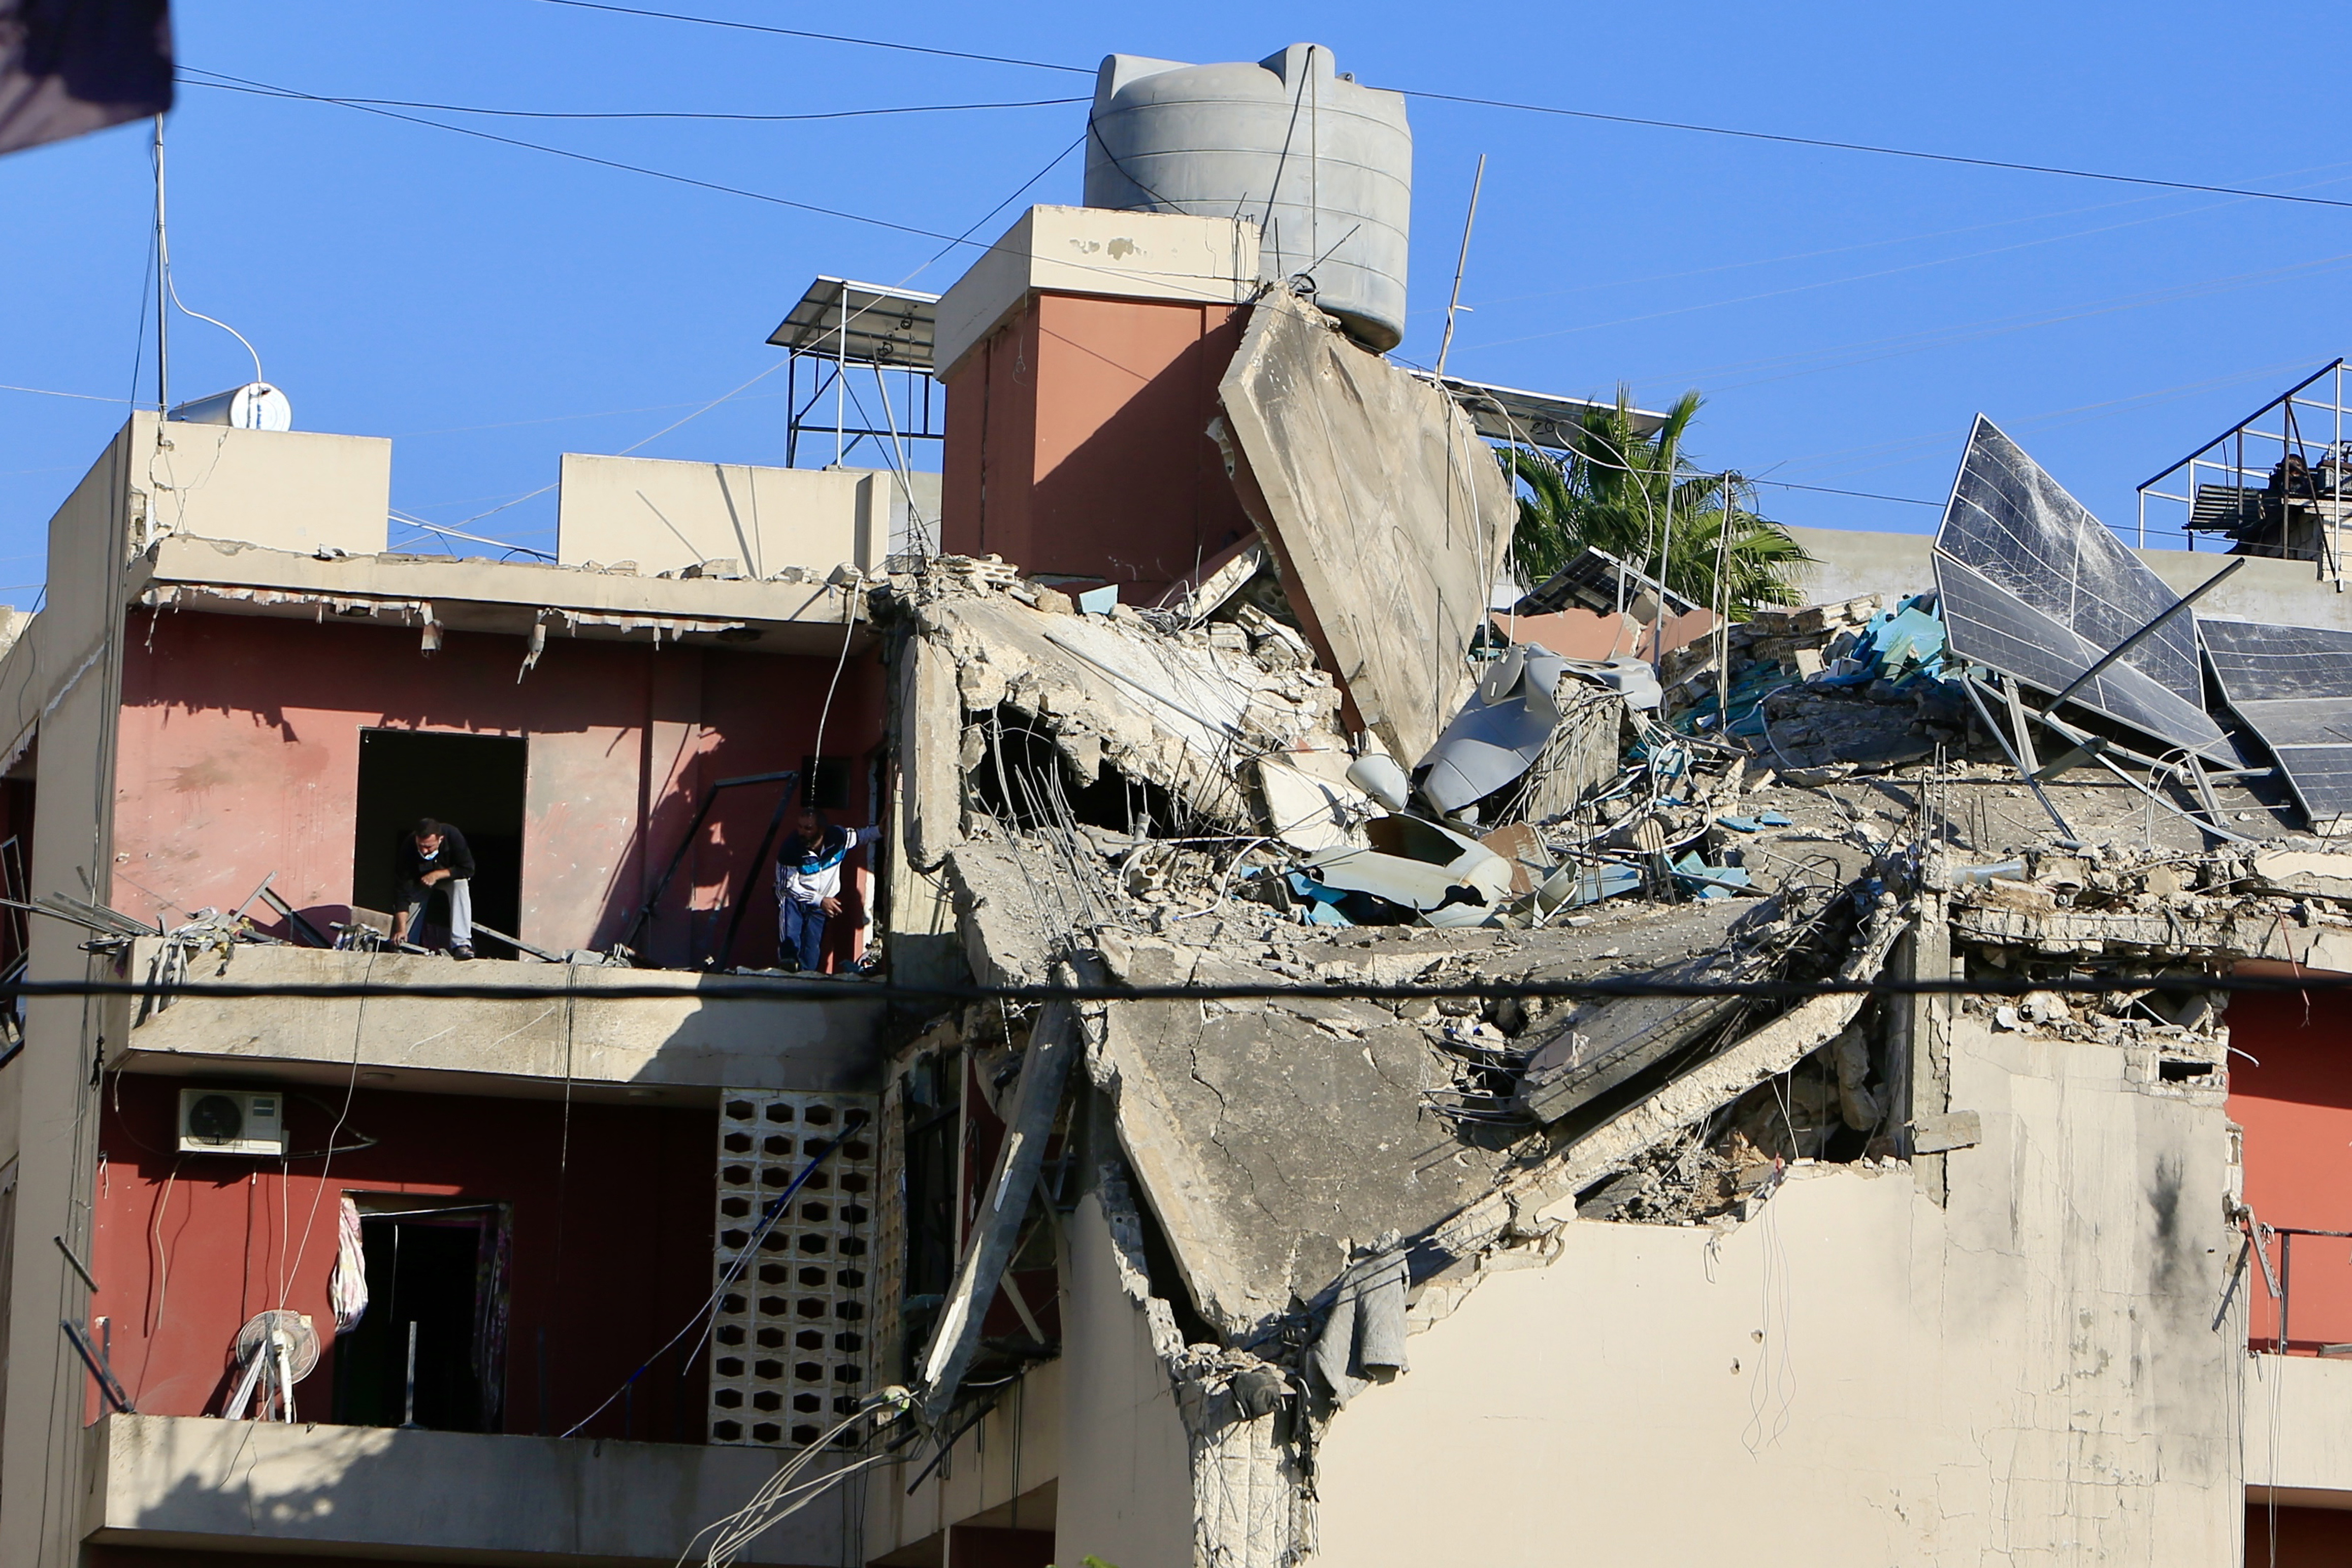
(2292, 687)
(2034, 585)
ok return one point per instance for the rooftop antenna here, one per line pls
(167, 297)
(163, 312)
(1461, 263)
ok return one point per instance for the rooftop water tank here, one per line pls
(257, 405)
(1324, 165)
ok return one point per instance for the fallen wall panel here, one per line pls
(1387, 514)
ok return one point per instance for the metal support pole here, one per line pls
(408, 1416)
(840, 372)
(2134, 640)
(792, 401)
(162, 287)
(2286, 1284)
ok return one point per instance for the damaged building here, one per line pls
(1343, 1065)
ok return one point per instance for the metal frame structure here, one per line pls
(2218, 487)
(1545, 420)
(840, 322)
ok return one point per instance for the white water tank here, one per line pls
(1324, 167)
(257, 405)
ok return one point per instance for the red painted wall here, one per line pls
(239, 756)
(2291, 1093)
(612, 1241)
(1077, 442)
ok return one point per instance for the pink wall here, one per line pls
(1077, 442)
(239, 756)
(2292, 1092)
(612, 1221)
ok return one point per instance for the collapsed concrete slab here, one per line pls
(1388, 515)
(1180, 710)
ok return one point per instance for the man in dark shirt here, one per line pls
(435, 855)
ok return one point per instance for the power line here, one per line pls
(821, 37)
(1833, 490)
(265, 90)
(1867, 147)
(747, 990)
(680, 113)
(46, 392)
(1783, 137)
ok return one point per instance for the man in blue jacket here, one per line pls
(808, 886)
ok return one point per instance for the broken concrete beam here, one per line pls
(1003, 1202)
(930, 716)
(1104, 689)
(2304, 873)
(1604, 1044)
(1723, 1077)
(1939, 1133)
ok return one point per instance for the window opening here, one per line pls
(444, 1270)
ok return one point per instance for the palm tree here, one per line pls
(1632, 496)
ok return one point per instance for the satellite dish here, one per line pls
(301, 1341)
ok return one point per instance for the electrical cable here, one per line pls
(740, 1528)
(672, 114)
(1836, 146)
(776, 1206)
(723, 989)
(1833, 490)
(1783, 137)
(264, 90)
(78, 396)
(350, 1092)
(162, 1265)
(822, 37)
(624, 451)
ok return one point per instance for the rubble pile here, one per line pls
(1824, 692)
(1183, 800)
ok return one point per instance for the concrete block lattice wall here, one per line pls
(794, 1350)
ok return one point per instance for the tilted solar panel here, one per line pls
(2292, 687)
(2034, 586)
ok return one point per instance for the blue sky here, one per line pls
(1845, 314)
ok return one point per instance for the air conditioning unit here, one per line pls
(232, 1121)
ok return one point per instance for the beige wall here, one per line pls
(1852, 563)
(1855, 1378)
(282, 489)
(2298, 1442)
(64, 677)
(666, 516)
(1091, 250)
(1012, 1451)
(255, 1489)
(1127, 1493)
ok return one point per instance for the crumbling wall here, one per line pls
(1856, 1374)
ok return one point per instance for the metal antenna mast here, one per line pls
(162, 287)
(1460, 264)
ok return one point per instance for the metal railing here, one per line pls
(2279, 1280)
(2299, 461)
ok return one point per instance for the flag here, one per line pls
(68, 67)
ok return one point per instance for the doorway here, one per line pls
(474, 783)
(437, 1274)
